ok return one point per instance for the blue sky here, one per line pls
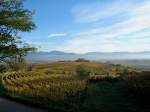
(81, 26)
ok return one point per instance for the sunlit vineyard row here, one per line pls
(69, 68)
(58, 90)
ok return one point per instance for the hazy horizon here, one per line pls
(96, 52)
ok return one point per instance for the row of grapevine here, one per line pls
(53, 90)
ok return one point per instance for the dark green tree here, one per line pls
(13, 19)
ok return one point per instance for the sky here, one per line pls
(81, 26)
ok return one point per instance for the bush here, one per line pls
(3, 68)
(17, 66)
(81, 60)
(96, 78)
(29, 67)
(82, 72)
(138, 83)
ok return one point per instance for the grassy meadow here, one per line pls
(80, 86)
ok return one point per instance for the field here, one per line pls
(79, 86)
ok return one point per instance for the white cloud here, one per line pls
(130, 34)
(57, 35)
(91, 12)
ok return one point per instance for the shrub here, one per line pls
(17, 66)
(95, 78)
(29, 68)
(138, 83)
(81, 60)
(82, 72)
(3, 68)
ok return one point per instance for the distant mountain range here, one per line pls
(95, 56)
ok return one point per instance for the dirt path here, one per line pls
(11, 106)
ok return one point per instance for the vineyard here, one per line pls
(78, 86)
(60, 85)
(49, 90)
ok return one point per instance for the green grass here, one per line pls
(2, 92)
(109, 97)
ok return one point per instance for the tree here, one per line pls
(13, 19)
